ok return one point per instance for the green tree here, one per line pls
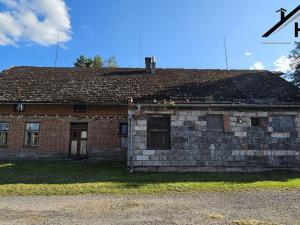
(89, 63)
(111, 62)
(81, 62)
(96, 62)
(294, 57)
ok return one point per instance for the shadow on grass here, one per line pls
(44, 172)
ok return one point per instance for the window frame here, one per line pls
(209, 129)
(16, 107)
(80, 108)
(32, 131)
(120, 129)
(150, 146)
(5, 131)
(258, 119)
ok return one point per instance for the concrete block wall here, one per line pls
(239, 146)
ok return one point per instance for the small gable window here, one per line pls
(4, 129)
(215, 122)
(19, 107)
(80, 108)
(158, 127)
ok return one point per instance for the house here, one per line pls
(156, 119)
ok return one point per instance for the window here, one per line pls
(158, 132)
(123, 129)
(32, 134)
(215, 122)
(80, 108)
(4, 128)
(256, 122)
(20, 107)
(283, 123)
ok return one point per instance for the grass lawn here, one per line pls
(73, 178)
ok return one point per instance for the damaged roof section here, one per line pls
(117, 85)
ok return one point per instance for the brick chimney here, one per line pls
(150, 65)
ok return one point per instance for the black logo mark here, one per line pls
(285, 20)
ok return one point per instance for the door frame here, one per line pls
(78, 155)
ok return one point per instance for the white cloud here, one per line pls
(282, 64)
(257, 66)
(248, 53)
(38, 21)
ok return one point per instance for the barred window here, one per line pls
(158, 127)
(4, 129)
(32, 134)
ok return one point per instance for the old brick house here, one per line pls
(161, 119)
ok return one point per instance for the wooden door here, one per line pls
(79, 134)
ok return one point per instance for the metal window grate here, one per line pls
(158, 132)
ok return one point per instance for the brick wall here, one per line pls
(41, 109)
(239, 147)
(104, 140)
(54, 136)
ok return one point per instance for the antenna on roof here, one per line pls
(140, 48)
(56, 53)
(225, 49)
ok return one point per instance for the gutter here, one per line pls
(63, 103)
(224, 105)
(160, 105)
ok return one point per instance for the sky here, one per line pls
(180, 33)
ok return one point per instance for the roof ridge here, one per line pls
(136, 68)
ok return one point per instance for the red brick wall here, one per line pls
(65, 110)
(104, 132)
(16, 134)
(54, 136)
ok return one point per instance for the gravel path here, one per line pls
(273, 207)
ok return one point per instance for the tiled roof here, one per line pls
(116, 86)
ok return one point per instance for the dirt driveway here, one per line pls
(242, 208)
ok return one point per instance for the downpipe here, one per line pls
(130, 149)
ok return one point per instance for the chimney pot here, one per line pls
(150, 64)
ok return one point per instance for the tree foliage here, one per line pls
(112, 62)
(295, 65)
(96, 62)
